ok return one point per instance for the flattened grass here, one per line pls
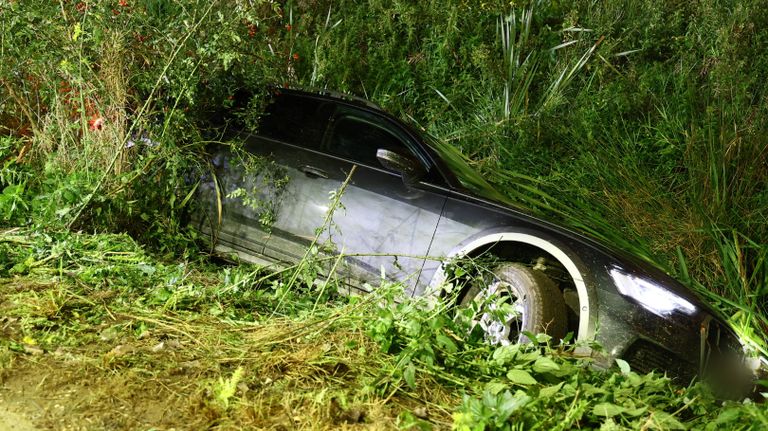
(96, 333)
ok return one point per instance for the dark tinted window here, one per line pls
(296, 120)
(358, 140)
(467, 176)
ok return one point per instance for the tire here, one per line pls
(537, 305)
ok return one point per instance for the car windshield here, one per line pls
(468, 177)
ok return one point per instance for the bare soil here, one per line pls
(170, 377)
(66, 392)
(12, 421)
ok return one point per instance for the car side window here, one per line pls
(296, 120)
(358, 139)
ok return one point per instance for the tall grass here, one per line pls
(101, 102)
(640, 123)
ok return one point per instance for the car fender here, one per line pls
(576, 269)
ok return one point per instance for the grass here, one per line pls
(101, 334)
(159, 336)
(640, 123)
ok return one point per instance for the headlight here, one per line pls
(652, 296)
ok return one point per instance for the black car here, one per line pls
(412, 207)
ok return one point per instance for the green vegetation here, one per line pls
(642, 123)
(98, 324)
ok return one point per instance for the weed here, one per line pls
(640, 123)
(215, 354)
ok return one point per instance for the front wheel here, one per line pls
(517, 299)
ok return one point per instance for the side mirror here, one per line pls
(407, 165)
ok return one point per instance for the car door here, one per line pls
(252, 182)
(381, 224)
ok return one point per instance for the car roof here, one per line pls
(335, 96)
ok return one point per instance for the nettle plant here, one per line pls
(536, 385)
(105, 96)
(265, 181)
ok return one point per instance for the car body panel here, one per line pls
(411, 229)
(370, 243)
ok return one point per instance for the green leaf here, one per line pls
(409, 374)
(446, 343)
(623, 366)
(545, 364)
(607, 410)
(413, 328)
(636, 380)
(509, 403)
(610, 425)
(550, 390)
(521, 377)
(505, 354)
(528, 357)
(664, 421)
(226, 388)
(495, 387)
(590, 389)
(566, 369)
(77, 31)
(635, 412)
(727, 416)
(215, 310)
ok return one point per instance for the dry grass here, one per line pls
(85, 124)
(318, 372)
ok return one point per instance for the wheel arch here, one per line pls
(572, 264)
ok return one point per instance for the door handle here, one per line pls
(313, 172)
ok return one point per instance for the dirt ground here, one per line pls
(167, 381)
(59, 393)
(12, 421)
(117, 357)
